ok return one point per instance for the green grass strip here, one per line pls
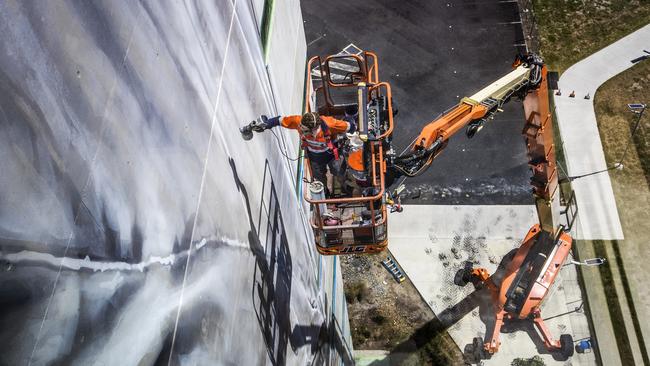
(267, 20)
(630, 302)
(618, 323)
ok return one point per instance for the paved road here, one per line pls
(583, 149)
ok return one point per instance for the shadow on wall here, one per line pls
(323, 339)
(272, 278)
(271, 293)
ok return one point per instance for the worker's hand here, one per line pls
(260, 124)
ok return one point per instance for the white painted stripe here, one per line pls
(353, 47)
(314, 41)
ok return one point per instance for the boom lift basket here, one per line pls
(346, 223)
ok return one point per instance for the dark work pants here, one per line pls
(320, 162)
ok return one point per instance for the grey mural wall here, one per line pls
(136, 226)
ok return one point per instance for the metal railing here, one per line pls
(529, 26)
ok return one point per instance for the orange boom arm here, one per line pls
(472, 112)
(450, 123)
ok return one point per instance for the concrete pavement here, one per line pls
(422, 239)
(583, 149)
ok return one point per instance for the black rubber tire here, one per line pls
(471, 131)
(477, 344)
(464, 275)
(479, 352)
(485, 355)
(461, 278)
(566, 345)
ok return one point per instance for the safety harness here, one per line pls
(328, 140)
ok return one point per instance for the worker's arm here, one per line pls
(263, 123)
(291, 122)
(338, 126)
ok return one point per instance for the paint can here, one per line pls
(317, 192)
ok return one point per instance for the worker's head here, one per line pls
(309, 122)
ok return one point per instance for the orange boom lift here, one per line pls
(358, 223)
(345, 224)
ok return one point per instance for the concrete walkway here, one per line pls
(583, 149)
(432, 243)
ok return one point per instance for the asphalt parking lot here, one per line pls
(434, 53)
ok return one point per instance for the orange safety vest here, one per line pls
(322, 141)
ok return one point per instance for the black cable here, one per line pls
(280, 146)
(571, 179)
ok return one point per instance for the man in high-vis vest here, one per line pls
(318, 136)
